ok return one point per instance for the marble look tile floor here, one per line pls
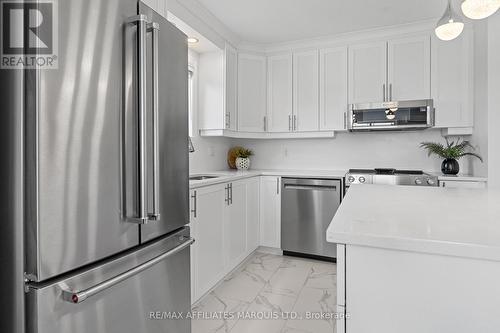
(264, 294)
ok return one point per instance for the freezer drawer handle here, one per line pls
(310, 187)
(76, 297)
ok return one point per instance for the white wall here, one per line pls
(494, 101)
(349, 150)
(480, 137)
(210, 154)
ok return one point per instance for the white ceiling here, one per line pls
(271, 21)
(203, 45)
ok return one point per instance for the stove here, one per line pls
(385, 176)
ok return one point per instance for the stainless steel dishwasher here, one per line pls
(307, 208)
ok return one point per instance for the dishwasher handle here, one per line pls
(311, 187)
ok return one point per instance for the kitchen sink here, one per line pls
(202, 177)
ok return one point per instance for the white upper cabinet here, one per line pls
(367, 72)
(452, 81)
(231, 87)
(279, 93)
(409, 68)
(306, 91)
(211, 114)
(251, 93)
(333, 89)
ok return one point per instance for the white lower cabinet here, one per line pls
(270, 212)
(207, 228)
(225, 226)
(253, 214)
(235, 224)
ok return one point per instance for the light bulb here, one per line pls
(480, 9)
(450, 26)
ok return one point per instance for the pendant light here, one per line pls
(450, 26)
(480, 9)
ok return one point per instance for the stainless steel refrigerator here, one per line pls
(104, 175)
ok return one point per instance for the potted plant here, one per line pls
(243, 158)
(451, 152)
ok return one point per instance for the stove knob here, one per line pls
(418, 181)
(351, 179)
(431, 182)
(362, 179)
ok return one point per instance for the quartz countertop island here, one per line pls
(458, 222)
(417, 259)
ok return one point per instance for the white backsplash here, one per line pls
(210, 154)
(349, 150)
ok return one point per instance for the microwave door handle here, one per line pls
(141, 22)
(154, 28)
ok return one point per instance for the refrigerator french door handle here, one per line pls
(154, 28)
(76, 297)
(141, 22)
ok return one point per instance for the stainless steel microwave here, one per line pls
(390, 116)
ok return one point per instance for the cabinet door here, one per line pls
(231, 86)
(367, 72)
(253, 212)
(208, 231)
(306, 91)
(270, 212)
(452, 81)
(235, 225)
(192, 216)
(409, 68)
(279, 92)
(333, 89)
(211, 113)
(251, 93)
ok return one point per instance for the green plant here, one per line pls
(454, 150)
(243, 152)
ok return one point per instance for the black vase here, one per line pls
(450, 166)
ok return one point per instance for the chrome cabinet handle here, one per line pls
(289, 123)
(231, 193)
(76, 297)
(265, 124)
(345, 120)
(277, 186)
(195, 204)
(141, 22)
(390, 92)
(226, 199)
(154, 28)
(294, 122)
(384, 92)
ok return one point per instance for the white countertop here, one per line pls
(457, 222)
(459, 177)
(233, 175)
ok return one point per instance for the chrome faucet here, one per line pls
(191, 147)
